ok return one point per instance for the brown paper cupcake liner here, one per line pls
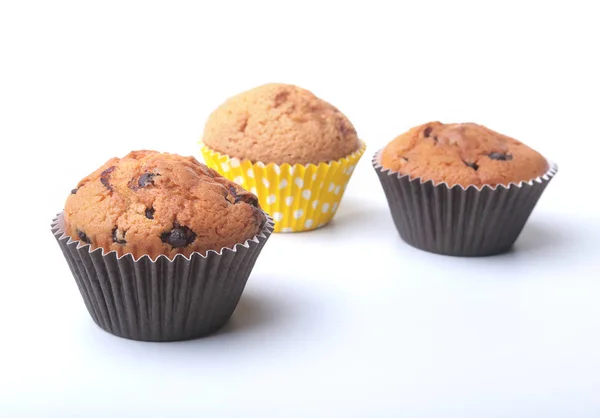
(163, 299)
(456, 220)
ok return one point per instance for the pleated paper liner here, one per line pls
(163, 299)
(459, 221)
(298, 197)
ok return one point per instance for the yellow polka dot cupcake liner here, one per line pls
(298, 197)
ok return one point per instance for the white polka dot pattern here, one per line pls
(299, 198)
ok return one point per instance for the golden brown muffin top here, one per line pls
(153, 203)
(462, 153)
(280, 123)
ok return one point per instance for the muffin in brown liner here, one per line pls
(457, 220)
(162, 299)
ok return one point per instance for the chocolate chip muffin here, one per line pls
(150, 203)
(460, 189)
(280, 123)
(463, 154)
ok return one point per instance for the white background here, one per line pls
(346, 321)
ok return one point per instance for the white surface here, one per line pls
(347, 321)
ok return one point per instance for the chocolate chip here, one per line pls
(150, 213)
(83, 237)
(435, 138)
(427, 131)
(179, 236)
(243, 197)
(105, 176)
(500, 157)
(144, 180)
(474, 166)
(74, 191)
(118, 236)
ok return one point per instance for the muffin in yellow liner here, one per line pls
(298, 197)
(294, 150)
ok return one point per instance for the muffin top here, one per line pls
(462, 153)
(150, 203)
(280, 123)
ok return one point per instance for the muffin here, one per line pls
(160, 245)
(295, 151)
(461, 189)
